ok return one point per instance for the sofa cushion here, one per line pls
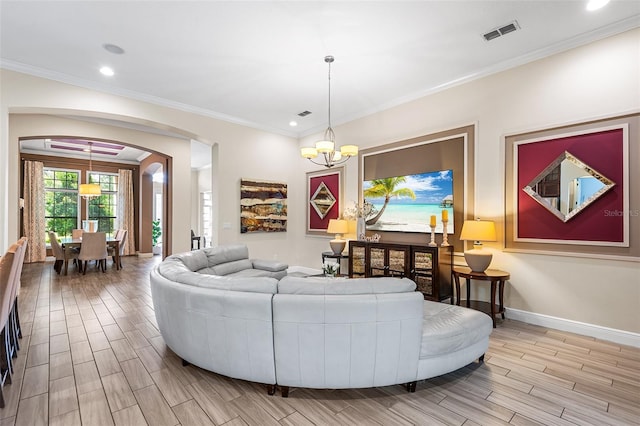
(173, 268)
(193, 260)
(326, 285)
(450, 328)
(231, 267)
(269, 265)
(227, 253)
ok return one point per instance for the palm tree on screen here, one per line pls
(387, 188)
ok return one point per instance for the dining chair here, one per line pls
(76, 233)
(94, 247)
(8, 266)
(58, 252)
(62, 255)
(14, 317)
(121, 236)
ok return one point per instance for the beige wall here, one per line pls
(600, 79)
(597, 80)
(247, 152)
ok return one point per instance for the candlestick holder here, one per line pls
(433, 237)
(445, 242)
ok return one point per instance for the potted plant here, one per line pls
(156, 233)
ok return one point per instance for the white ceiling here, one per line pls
(260, 63)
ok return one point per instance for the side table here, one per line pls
(497, 279)
(332, 255)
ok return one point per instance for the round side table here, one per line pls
(497, 279)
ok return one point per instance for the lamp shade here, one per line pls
(325, 146)
(349, 150)
(478, 230)
(338, 226)
(309, 152)
(89, 190)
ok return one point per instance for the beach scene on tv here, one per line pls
(407, 203)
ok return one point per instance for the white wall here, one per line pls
(597, 80)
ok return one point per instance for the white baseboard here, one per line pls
(145, 255)
(611, 334)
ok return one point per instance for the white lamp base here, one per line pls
(478, 260)
(337, 246)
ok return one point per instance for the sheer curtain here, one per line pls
(34, 223)
(125, 208)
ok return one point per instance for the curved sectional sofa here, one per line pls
(312, 332)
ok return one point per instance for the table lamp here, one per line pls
(338, 227)
(478, 231)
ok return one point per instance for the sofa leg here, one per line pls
(481, 359)
(271, 389)
(185, 363)
(285, 391)
(411, 387)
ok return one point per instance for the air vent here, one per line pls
(304, 113)
(500, 31)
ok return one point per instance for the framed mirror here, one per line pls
(567, 186)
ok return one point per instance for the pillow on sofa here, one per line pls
(226, 253)
(228, 267)
(269, 265)
(194, 260)
(325, 285)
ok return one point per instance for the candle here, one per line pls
(433, 221)
(445, 215)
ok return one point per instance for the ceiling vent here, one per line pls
(505, 29)
(304, 113)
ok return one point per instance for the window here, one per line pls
(61, 201)
(104, 207)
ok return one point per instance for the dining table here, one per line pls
(112, 243)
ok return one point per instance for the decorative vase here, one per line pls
(360, 228)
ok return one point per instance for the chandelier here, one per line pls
(89, 190)
(327, 146)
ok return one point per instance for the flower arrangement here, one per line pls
(330, 269)
(363, 211)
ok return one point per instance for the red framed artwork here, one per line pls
(324, 199)
(571, 189)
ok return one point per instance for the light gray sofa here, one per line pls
(311, 332)
(355, 333)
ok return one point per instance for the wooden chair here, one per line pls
(94, 247)
(77, 233)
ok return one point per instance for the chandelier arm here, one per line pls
(320, 164)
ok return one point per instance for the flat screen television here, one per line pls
(408, 202)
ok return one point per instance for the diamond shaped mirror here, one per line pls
(322, 200)
(567, 186)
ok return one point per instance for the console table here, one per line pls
(429, 267)
(497, 279)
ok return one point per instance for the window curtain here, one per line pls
(34, 223)
(125, 208)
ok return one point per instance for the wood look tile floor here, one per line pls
(92, 355)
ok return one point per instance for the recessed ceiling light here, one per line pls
(293, 123)
(116, 50)
(108, 71)
(596, 4)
